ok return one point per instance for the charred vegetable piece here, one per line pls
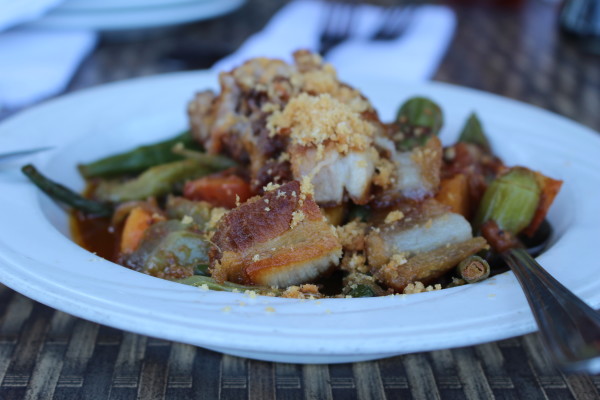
(362, 290)
(550, 188)
(202, 270)
(210, 283)
(156, 181)
(169, 251)
(511, 201)
(136, 224)
(179, 208)
(65, 195)
(473, 133)
(357, 284)
(419, 118)
(454, 192)
(218, 190)
(137, 160)
(473, 269)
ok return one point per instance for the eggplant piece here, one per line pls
(169, 251)
(179, 208)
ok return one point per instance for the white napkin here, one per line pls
(36, 63)
(414, 56)
(14, 12)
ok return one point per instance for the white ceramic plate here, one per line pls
(152, 15)
(38, 259)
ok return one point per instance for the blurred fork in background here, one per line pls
(337, 25)
(394, 21)
(21, 153)
(339, 22)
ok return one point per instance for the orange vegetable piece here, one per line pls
(218, 190)
(135, 226)
(550, 188)
(454, 192)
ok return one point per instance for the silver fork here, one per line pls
(569, 328)
(337, 25)
(21, 153)
(394, 22)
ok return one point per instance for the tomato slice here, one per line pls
(218, 190)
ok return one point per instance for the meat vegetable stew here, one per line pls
(289, 184)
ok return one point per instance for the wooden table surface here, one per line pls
(515, 52)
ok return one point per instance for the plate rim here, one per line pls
(367, 349)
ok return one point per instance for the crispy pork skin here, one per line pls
(423, 228)
(279, 239)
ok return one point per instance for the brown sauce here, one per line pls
(95, 235)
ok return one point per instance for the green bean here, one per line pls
(209, 160)
(138, 159)
(510, 200)
(65, 195)
(156, 181)
(473, 269)
(473, 133)
(210, 283)
(418, 118)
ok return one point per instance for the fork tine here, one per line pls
(336, 26)
(395, 21)
(402, 21)
(388, 18)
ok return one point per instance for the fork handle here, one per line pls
(569, 328)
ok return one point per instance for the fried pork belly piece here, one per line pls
(419, 243)
(330, 142)
(292, 121)
(428, 266)
(423, 228)
(409, 175)
(334, 174)
(279, 239)
(233, 122)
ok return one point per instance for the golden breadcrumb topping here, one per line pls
(297, 217)
(247, 78)
(354, 262)
(306, 187)
(418, 287)
(352, 235)
(394, 216)
(384, 172)
(309, 291)
(271, 186)
(318, 120)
